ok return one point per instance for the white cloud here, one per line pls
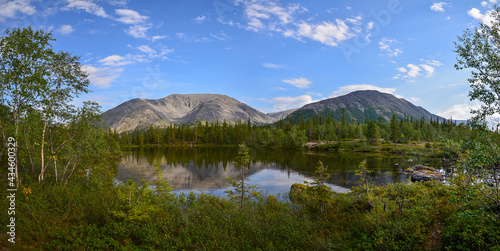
(370, 25)
(402, 69)
(270, 16)
(9, 9)
(87, 5)
(130, 16)
(258, 12)
(298, 82)
(314, 93)
(414, 70)
(165, 51)
(275, 66)
(115, 60)
(137, 31)
(286, 103)
(200, 19)
(489, 3)
(118, 2)
(414, 99)
(220, 36)
(351, 88)
(146, 49)
(439, 7)
(328, 33)
(102, 77)
(460, 112)
(386, 45)
(434, 62)
(180, 35)
(429, 69)
(486, 18)
(65, 29)
(356, 20)
(154, 38)
(138, 23)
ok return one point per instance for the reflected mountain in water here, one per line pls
(186, 175)
(206, 169)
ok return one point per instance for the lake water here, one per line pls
(205, 169)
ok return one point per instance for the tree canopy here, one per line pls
(478, 49)
(36, 108)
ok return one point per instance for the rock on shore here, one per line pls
(424, 173)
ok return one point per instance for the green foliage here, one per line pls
(96, 214)
(395, 134)
(477, 50)
(293, 132)
(162, 187)
(482, 166)
(317, 194)
(472, 230)
(241, 191)
(363, 181)
(55, 139)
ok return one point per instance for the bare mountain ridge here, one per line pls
(192, 108)
(181, 109)
(361, 105)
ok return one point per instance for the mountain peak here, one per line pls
(364, 104)
(180, 109)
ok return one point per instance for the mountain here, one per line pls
(192, 108)
(281, 115)
(359, 105)
(180, 109)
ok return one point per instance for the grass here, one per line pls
(95, 214)
(412, 149)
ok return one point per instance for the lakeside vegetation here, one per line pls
(61, 206)
(323, 132)
(97, 214)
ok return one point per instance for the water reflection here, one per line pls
(206, 169)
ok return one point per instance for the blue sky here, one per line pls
(272, 55)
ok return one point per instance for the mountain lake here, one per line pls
(205, 169)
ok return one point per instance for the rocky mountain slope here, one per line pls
(368, 104)
(281, 115)
(192, 108)
(180, 109)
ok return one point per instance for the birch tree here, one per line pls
(37, 88)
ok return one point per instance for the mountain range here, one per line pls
(193, 108)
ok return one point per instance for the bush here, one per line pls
(472, 230)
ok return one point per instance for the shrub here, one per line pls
(472, 230)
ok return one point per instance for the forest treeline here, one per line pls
(288, 133)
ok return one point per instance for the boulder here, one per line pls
(424, 173)
(420, 168)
